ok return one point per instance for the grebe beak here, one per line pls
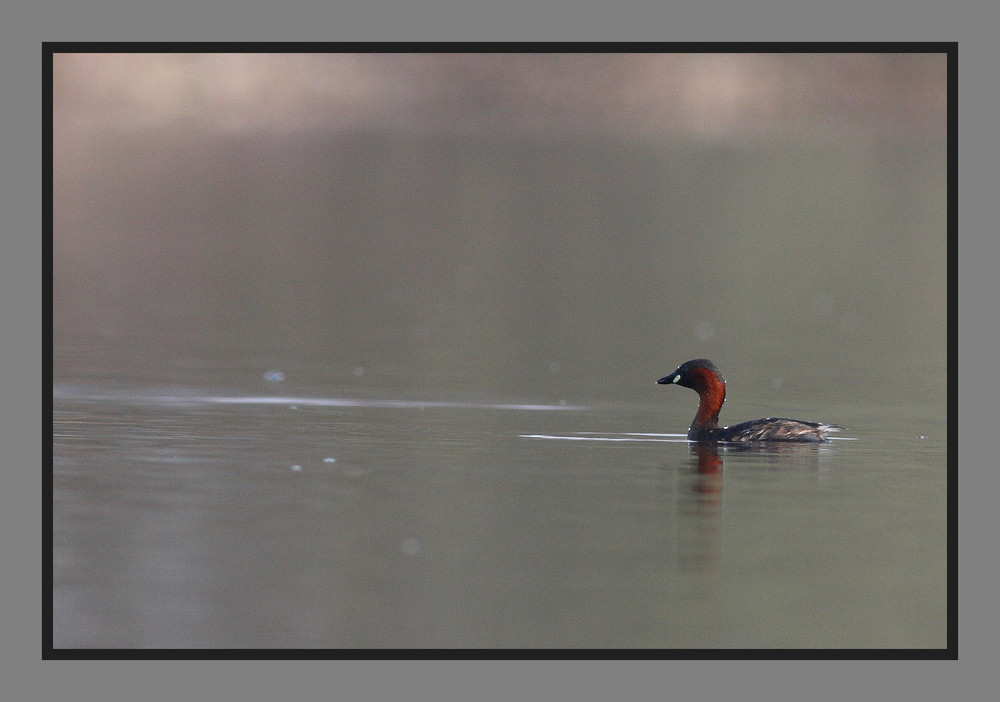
(668, 379)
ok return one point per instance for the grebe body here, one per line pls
(704, 377)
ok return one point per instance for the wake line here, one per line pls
(596, 436)
(70, 393)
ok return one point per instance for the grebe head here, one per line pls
(700, 375)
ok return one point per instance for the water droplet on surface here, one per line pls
(410, 546)
(704, 330)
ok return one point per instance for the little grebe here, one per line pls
(703, 376)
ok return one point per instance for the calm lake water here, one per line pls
(387, 392)
(185, 519)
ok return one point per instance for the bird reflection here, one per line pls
(707, 466)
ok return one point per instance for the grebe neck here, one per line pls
(711, 389)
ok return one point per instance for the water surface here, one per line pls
(209, 520)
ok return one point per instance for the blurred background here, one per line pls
(569, 225)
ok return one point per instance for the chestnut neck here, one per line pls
(711, 391)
